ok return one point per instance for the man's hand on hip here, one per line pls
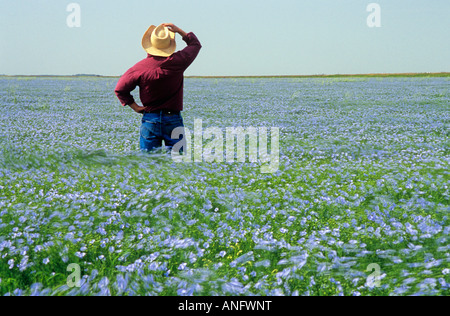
(136, 108)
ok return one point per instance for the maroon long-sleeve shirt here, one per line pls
(160, 79)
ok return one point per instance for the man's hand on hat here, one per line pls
(173, 28)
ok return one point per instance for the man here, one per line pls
(160, 78)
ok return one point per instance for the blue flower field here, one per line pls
(358, 207)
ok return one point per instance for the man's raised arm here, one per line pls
(185, 57)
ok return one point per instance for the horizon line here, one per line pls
(407, 74)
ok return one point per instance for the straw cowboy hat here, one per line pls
(159, 41)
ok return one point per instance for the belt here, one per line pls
(164, 112)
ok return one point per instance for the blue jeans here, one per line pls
(158, 127)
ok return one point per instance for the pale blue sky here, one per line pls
(239, 37)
